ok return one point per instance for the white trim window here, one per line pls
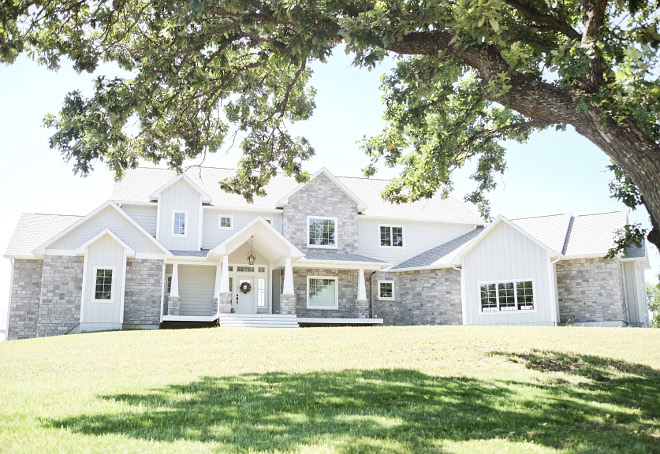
(386, 290)
(321, 232)
(104, 279)
(322, 292)
(507, 296)
(225, 221)
(261, 292)
(391, 235)
(179, 223)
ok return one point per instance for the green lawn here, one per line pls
(384, 389)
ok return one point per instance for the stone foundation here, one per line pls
(225, 303)
(144, 287)
(24, 300)
(61, 291)
(173, 305)
(430, 297)
(590, 290)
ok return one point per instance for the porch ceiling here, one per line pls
(265, 239)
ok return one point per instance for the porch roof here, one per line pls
(268, 241)
(315, 259)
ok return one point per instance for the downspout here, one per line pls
(555, 290)
(371, 294)
(463, 303)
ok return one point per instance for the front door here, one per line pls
(245, 292)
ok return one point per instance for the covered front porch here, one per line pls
(258, 278)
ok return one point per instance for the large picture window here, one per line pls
(507, 296)
(179, 219)
(103, 284)
(322, 232)
(322, 293)
(391, 236)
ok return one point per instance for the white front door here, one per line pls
(245, 301)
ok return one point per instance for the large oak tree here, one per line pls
(470, 74)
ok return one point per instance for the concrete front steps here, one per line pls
(258, 321)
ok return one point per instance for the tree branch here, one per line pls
(552, 22)
(593, 17)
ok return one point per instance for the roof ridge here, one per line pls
(55, 214)
(604, 212)
(542, 216)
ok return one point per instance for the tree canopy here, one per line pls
(469, 75)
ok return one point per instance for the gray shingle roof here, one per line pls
(442, 255)
(549, 230)
(339, 257)
(201, 253)
(140, 183)
(34, 229)
(593, 233)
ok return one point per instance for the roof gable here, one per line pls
(89, 231)
(32, 230)
(361, 206)
(488, 230)
(181, 178)
(82, 249)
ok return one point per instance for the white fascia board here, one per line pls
(361, 206)
(127, 249)
(247, 209)
(42, 249)
(205, 197)
(498, 220)
(409, 219)
(20, 256)
(134, 203)
(421, 268)
(244, 234)
(337, 264)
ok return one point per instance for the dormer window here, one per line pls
(179, 222)
(322, 232)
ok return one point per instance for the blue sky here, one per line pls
(555, 172)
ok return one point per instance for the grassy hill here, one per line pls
(381, 389)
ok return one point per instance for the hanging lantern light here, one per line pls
(251, 257)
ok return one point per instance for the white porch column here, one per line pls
(218, 281)
(174, 289)
(362, 304)
(287, 289)
(224, 277)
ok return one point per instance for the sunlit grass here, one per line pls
(380, 389)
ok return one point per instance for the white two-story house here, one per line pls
(171, 248)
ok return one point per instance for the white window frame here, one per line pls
(391, 246)
(185, 229)
(112, 284)
(515, 296)
(231, 218)
(382, 298)
(321, 246)
(324, 308)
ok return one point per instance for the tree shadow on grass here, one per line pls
(377, 410)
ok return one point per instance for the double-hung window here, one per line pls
(179, 223)
(322, 293)
(507, 296)
(386, 290)
(322, 232)
(391, 236)
(103, 284)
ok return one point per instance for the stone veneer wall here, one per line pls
(24, 302)
(61, 291)
(590, 290)
(348, 286)
(430, 297)
(321, 197)
(144, 287)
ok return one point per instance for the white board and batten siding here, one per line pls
(180, 197)
(635, 290)
(144, 215)
(418, 237)
(104, 253)
(507, 255)
(214, 234)
(196, 284)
